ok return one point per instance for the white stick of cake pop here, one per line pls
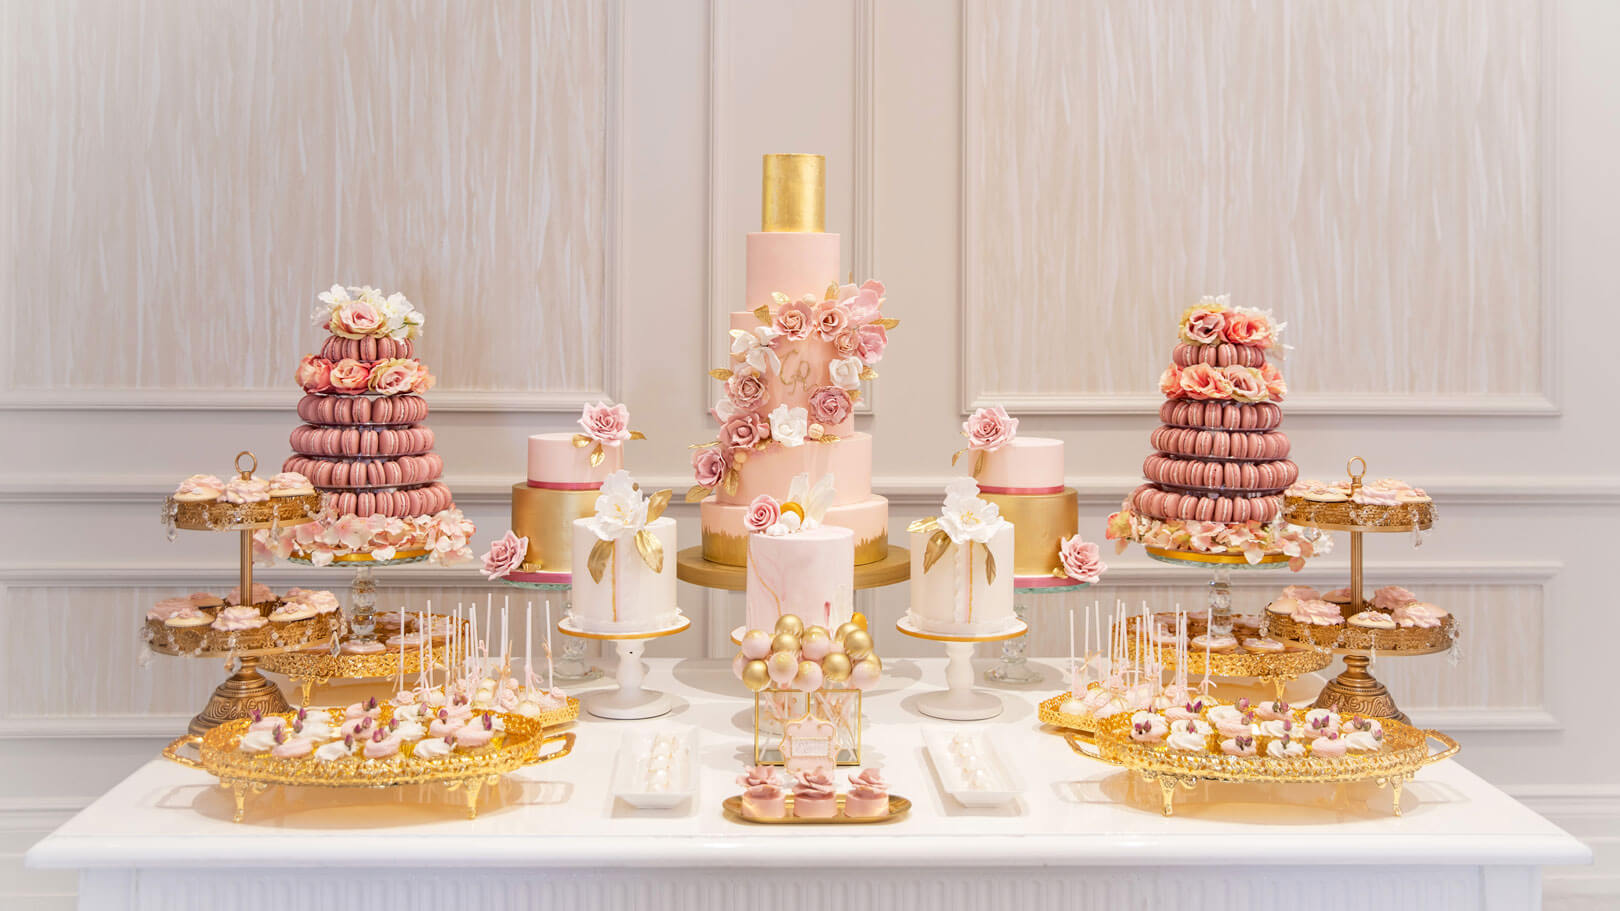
(489, 630)
(506, 639)
(1074, 669)
(1204, 687)
(528, 647)
(400, 673)
(551, 681)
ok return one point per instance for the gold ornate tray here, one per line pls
(898, 807)
(1406, 750)
(1414, 640)
(1273, 668)
(511, 750)
(270, 639)
(1362, 517)
(217, 515)
(1051, 712)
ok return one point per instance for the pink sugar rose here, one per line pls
(314, 374)
(393, 377)
(1170, 382)
(831, 318)
(604, 423)
(1081, 559)
(847, 343)
(990, 428)
(794, 321)
(356, 318)
(865, 304)
(829, 405)
(874, 339)
(1247, 386)
(1247, 327)
(505, 555)
(1203, 326)
(744, 431)
(762, 513)
(709, 465)
(745, 388)
(1276, 387)
(1201, 381)
(350, 376)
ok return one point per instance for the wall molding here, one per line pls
(1546, 401)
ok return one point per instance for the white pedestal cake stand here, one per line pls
(628, 701)
(959, 701)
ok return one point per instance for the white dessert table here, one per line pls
(554, 837)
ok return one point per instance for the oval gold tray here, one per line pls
(898, 807)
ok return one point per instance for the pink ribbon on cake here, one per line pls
(1021, 491)
(568, 485)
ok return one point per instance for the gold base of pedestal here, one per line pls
(1356, 692)
(237, 697)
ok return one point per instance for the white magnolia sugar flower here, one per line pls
(967, 516)
(620, 508)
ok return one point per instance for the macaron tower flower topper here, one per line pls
(604, 425)
(621, 510)
(966, 520)
(987, 430)
(804, 509)
(364, 312)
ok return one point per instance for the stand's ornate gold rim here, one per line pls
(568, 630)
(915, 633)
(1187, 556)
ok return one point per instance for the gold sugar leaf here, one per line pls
(826, 438)
(657, 503)
(889, 323)
(854, 395)
(651, 550)
(763, 313)
(956, 455)
(703, 445)
(581, 441)
(1058, 573)
(597, 562)
(720, 373)
(832, 291)
(989, 566)
(938, 544)
(697, 492)
(923, 524)
(782, 300)
(637, 435)
(978, 463)
(868, 374)
(730, 480)
(597, 455)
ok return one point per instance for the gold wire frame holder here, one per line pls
(1406, 751)
(763, 743)
(243, 774)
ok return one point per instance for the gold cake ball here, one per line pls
(785, 642)
(789, 623)
(756, 675)
(836, 667)
(844, 630)
(858, 644)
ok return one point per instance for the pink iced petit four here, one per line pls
(763, 797)
(868, 795)
(815, 796)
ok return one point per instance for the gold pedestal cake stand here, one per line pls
(1357, 691)
(246, 689)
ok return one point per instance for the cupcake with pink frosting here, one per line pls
(199, 488)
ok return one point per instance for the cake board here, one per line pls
(960, 701)
(629, 701)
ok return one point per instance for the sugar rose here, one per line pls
(847, 343)
(874, 339)
(744, 431)
(349, 375)
(1081, 559)
(831, 318)
(989, 428)
(745, 388)
(709, 465)
(505, 555)
(606, 423)
(795, 320)
(762, 513)
(829, 405)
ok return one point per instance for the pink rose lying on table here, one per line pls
(604, 423)
(990, 428)
(762, 513)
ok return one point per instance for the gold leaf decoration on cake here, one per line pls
(868, 374)
(888, 323)
(720, 373)
(697, 492)
(581, 441)
(923, 524)
(657, 503)
(854, 395)
(730, 479)
(938, 544)
(989, 566)
(832, 291)
(651, 550)
(1059, 573)
(703, 445)
(597, 455)
(781, 300)
(637, 435)
(978, 463)
(597, 562)
(763, 314)
(956, 455)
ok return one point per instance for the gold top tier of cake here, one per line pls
(794, 197)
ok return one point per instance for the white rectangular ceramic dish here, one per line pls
(970, 768)
(657, 769)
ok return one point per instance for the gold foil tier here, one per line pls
(546, 518)
(1040, 521)
(732, 550)
(793, 194)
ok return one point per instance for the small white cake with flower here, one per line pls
(624, 564)
(961, 583)
(796, 564)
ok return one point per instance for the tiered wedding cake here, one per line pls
(1216, 481)
(363, 444)
(799, 351)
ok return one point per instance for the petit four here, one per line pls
(814, 794)
(868, 795)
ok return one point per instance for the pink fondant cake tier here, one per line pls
(361, 409)
(366, 349)
(1268, 477)
(1219, 355)
(1024, 465)
(414, 501)
(793, 263)
(1221, 415)
(725, 532)
(556, 463)
(403, 471)
(771, 471)
(353, 441)
(1168, 504)
(810, 574)
(804, 368)
(1257, 446)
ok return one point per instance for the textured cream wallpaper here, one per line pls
(187, 175)
(1355, 167)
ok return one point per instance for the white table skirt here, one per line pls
(1082, 835)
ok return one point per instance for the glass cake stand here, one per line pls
(1220, 583)
(363, 587)
(570, 667)
(1014, 668)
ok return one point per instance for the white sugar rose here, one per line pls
(620, 508)
(846, 372)
(789, 425)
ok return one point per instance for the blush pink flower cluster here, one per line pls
(1235, 382)
(446, 536)
(395, 376)
(1212, 322)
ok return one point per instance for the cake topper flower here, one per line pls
(363, 312)
(987, 430)
(604, 425)
(763, 512)
(622, 510)
(967, 519)
(505, 555)
(805, 507)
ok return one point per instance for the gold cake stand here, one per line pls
(518, 746)
(246, 689)
(1406, 750)
(691, 567)
(1357, 691)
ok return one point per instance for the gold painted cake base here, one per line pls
(690, 566)
(237, 697)
(1357, 692)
